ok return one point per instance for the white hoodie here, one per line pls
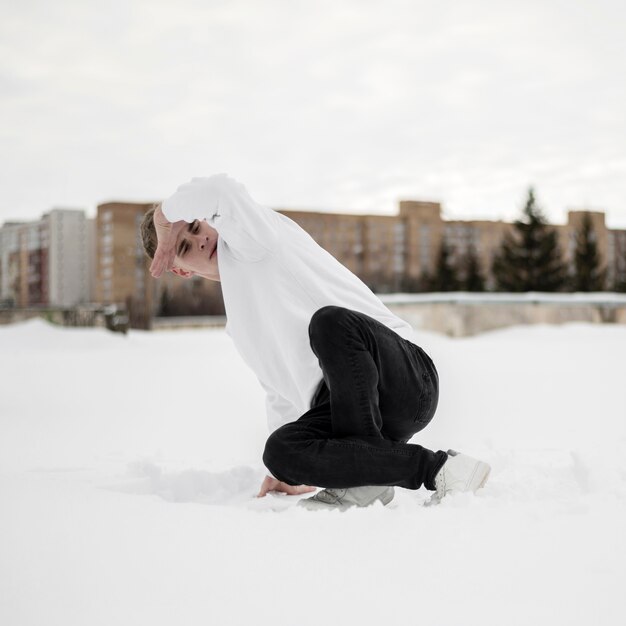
(274, 277)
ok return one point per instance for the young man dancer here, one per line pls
(346, 387)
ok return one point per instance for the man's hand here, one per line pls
(271, 484)
(167, 234)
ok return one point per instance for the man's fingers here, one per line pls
(166, 249)
(156, 267)
(162, 261)
(303, 489)
(296, 490)
(271, 484)
(267, 485)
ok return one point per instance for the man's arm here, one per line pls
(272, 484)
(279, 411)
(249, 229)
(167, 233)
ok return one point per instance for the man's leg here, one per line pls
(382, 389)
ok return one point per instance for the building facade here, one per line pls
(122, 269)
(47, 262)
(65, 259)
(392, 253)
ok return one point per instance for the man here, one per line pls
(346, 388)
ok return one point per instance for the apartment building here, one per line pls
(391, 252)
(122, 270)
(47, 262)
(388, 252)
(65, 259)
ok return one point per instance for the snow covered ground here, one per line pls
(129, 465)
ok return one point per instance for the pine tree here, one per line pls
(530, 258)
(473, 279)
(165, 304)
(589, 276)
(619, 284)
(410, 284)
(446, 276)
(425, 282)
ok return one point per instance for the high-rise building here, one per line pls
(122, 269)
(66, 237)
(47, 262)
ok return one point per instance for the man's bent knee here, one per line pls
(326, 316)
(276, 453)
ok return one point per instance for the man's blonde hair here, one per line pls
(148, 231)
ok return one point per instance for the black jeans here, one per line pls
(378, 390)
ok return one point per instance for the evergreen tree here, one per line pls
(446, 276)
(473, 279)
(165, 304)
(619, 284)
(529, 258)
(619, 273)
(425, 281)
(410, 284)
(589, 276)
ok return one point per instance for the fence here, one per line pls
(454, 314)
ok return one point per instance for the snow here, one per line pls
(129, 465)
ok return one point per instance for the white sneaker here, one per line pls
(342, 499)
(460, 473)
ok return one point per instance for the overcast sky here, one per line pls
(345, 105)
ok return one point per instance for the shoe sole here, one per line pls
(315, 505)
(386, 496)
(479, 477)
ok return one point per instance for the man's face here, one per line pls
(196, 251)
